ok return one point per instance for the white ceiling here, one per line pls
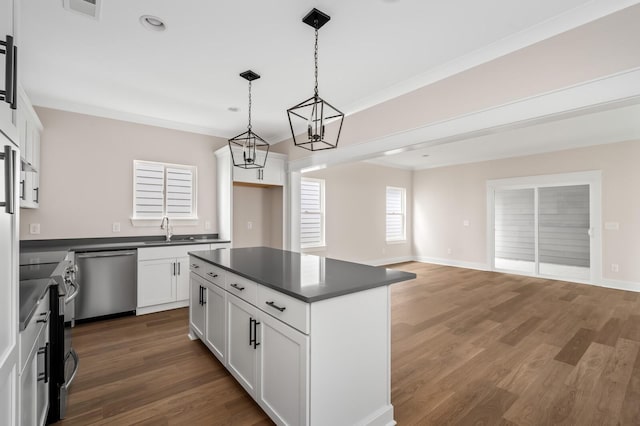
(615, 125)
(187, 77)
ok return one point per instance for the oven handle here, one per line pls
(76, 361)
(74, 294)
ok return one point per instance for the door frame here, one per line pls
(591, 178)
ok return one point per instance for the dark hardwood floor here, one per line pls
(468, 347)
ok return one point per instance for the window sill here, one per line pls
(311, 249)
(151, 222)
(391, 242)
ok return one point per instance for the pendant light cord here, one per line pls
(316, 59)
(249, 126)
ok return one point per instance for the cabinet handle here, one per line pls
(200, 301)
(37, 191)
(253, 333)
(204, 296)
(22, 194)
(179, 268)
(9, 157)
(194, 266)
(174, 268)
(10, 64)
(237, 287)
(274, 306)
(46, 318)
(44, 351)
(212, 275)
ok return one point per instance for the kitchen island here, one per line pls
(307, 337)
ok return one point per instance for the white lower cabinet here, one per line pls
(196, 306)
(283, 365)
(163, 277)
(215, 315)
(242, 326)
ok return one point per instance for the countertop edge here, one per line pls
(312, 299)
(41, 291)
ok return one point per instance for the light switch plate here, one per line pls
(115, 227)
(612, 226)
(34, 228)
(207, 225)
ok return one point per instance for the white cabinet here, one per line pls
(29, 130)
(207, 315)
(215, 319)
(163, 277)
(320, 363)
(242, 343)
(283, 361)
(35, 369)
(272, 173)
(7, 19)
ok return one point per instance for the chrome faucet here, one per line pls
(166, 226)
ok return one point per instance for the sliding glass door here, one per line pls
(545, 228)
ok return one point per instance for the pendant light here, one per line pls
(253, 149)
(315, 123)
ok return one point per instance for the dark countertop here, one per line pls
(31, 293)
(117, 243)
(303, 276)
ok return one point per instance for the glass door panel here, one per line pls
(514, 227)
(564, 243)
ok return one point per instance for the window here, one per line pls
(396, 219)
(311, 212)
(163, 190)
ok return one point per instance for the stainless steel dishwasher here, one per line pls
(108, 280)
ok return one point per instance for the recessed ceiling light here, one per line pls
(152, 23)
(233, 109)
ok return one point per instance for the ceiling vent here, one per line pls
(90, 8)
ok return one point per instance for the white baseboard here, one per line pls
(163, 307)
(388, 261)
(453, 262)
(620, 285)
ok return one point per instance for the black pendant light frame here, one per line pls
(249, 142)
(315, 111)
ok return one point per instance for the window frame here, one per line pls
(322, 212)
(191, 218)
(403, 214)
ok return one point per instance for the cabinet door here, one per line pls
(28, 383)
(273, 173)
(246, 175)
(284, 372)
(196, 306)
(215, 330)
(44, 371)
(6, 28)
(241, 353)
(156, 282)
(182, 279)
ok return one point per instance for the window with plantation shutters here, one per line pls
(311, 212)
(163, 190)
(396, 214)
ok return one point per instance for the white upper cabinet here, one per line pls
(7, 28)
(272, 173)
(29, 129)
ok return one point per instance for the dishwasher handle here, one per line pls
(92, 255)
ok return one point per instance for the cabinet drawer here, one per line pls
(286, 308)
(245, 289)
(208, 271)
(29, 335)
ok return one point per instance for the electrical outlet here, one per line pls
(449, 251)
(465, 223)
(207, 225)
(249, 225)
(615, 267)
(612, 226)
(115, 227)
(34, 228)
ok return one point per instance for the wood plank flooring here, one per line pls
(468, 347)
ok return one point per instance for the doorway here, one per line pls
(546, 226)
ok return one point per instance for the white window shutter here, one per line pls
(311, 213)
(395, 229)
(179, 192)
(149, 190)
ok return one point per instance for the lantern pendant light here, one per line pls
(315, 124)
(250, 149)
